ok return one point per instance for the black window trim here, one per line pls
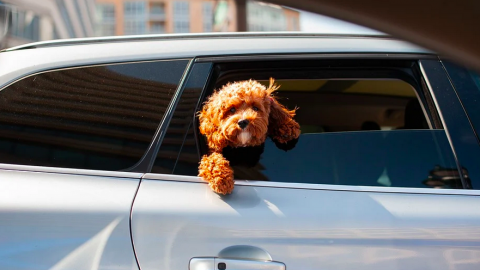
(305, 56)
(427, 103)
(431, 112)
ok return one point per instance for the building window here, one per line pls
(157, 9)
(134, 10)
(105, 20)
(295, 26)
(156, 13)
(135, 18)
(181, 17)
(157, 28)
(207, 9)
(107, 12)
(67, 20)
(265, 17)
(25, 24)
(79, 14)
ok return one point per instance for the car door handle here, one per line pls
(237, 258)
(212, 263)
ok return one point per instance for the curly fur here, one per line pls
(217, 170)
(247, 101)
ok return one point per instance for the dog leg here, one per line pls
(282, 127)
(286, 132)
(216, 170)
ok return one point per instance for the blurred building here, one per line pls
(127, 17)
(24, 21)
(37, 20)
(268, 17)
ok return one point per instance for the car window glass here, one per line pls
(179, 137)
(399, 158)
(467, 84)
(100, 118)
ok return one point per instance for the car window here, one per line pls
(355, 130)
(178, 145)
(100, 118)
(467, 84)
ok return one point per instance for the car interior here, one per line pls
(352, 104)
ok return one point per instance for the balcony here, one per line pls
(157, 13)
(157, 28)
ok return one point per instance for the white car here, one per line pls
(99, 153)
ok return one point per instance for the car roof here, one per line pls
(37, 57)
(183, 36)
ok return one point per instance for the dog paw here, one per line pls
(286, 146)
(287, 132)
(216, 170)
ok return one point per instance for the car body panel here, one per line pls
(65, 221)
(173, 222)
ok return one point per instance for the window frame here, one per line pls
(181, 19)
(135, 21)
(430, 102)
(431, 114)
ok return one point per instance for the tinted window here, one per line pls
(467, 83)
(180, 137)
(100, 118)
(399, 158)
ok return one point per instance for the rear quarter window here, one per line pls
(467, 84)
(100, 118)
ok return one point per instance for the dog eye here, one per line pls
(255, 108)
(232, 110)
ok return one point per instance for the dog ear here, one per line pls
(209, 118)
(281, 126)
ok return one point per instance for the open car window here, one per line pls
(367, 126)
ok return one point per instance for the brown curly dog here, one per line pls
(241, 114)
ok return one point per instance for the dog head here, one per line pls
(242, 114)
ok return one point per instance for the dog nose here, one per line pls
(243, 123)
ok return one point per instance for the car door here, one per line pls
(345, 197)
(72, 143)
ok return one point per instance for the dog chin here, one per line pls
(244, 137)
